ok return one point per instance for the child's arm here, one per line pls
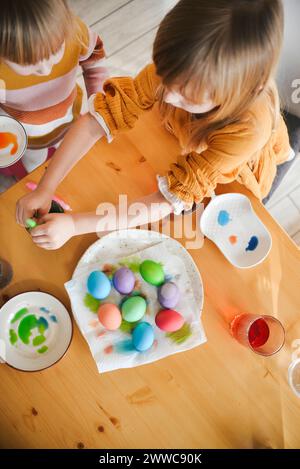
(56, 229)
(115, 111)
(92, 60)
(80, 138)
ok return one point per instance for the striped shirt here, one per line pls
(47, 105)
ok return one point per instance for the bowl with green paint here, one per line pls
(35, 331)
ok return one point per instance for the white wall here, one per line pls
(289, 68)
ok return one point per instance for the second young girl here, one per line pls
(41, 46)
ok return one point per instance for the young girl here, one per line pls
(41, 46)
(214, 63)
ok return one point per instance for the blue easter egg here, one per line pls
(143, 336)
(98, 285)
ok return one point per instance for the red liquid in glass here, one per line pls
(258, 333)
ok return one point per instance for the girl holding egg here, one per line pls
(213, 76)
(41, 45)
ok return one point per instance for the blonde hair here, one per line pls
(228, 48)
(33, 30)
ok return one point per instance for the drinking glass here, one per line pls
(261, 333)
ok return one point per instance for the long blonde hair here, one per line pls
(229, 48)
(33, 30)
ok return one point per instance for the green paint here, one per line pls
(38, 340)
(13, 338)
(19, 314)
(127, 326)
(30, 224)
(25, 326)
(43, 349)
(91, 303)
(131, 263)
(182, 335)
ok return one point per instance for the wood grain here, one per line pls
(219, 395)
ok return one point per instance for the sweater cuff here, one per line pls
(99, 118)
(178, 205)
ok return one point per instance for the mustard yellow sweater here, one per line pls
(247, 153)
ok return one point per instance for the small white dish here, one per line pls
(17, 141)
(36, 330)
(294, 376)
(231, 223)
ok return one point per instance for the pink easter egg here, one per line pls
(110, 316)
(169, 320)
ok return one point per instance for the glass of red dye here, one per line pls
(263, 334)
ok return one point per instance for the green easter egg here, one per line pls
(152, 272)
(134, 308)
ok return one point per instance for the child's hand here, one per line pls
(54, 231)
(27, 207)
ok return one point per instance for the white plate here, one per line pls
(231, 223)
(11, 125)
(137, 243)
(127, 242)
(37, 337)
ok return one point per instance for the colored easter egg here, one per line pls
(124, 280)
(168, 295)
(98, 285)
(143, 336)
(169, 320)
(134, 308)
(110, 316)
(152, 272)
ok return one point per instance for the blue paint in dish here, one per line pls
(253, 243)
(223, 218)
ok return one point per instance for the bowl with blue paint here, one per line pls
(231, 223)
(35, 331)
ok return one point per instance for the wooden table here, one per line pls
(219, 395)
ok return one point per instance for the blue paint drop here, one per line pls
(125, 346)
(42, 324)
(223, 218)
(53, 318)
(44, 310)
(253, 243)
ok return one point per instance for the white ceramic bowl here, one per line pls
(14, 127)
(231, 223)
(36, 330)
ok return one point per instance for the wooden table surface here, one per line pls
(219, 395)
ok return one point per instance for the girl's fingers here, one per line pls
(39, 230)
(47, 246)
(40, 239)
(19, 215)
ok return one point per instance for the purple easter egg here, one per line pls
(124, 281)
(168, 295)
